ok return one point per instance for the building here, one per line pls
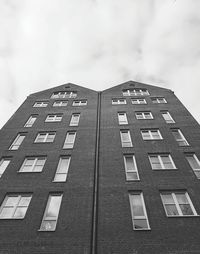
(111, 172)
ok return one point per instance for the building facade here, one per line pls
(106, 172)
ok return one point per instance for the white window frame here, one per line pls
(35, 164)
(45, 137)
(135, 91)
(158, 100)
(138, 101)
(181, 139)
(54, 118)
(66, 169)
(16, 206)
(143, 115)
(80, 102)
(142, 217)
(124, 120)
(72, 121)
(67, 144)
(47, 219)
(29, 122)
(14, 145)
(159, 156)
(196, 170)
(177, 205)
(40, 104)
(60, 103)
(4, 162)
(170, 119)
(134, 169)
(118, 101)
(64, 95)
(151, 137)
(126, 143)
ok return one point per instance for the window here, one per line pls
(30, 121)
(17, 142)
(138, 211)
(177, 203)
(159, 100)
(194, 163)
(54, 118)
(151, 134)
(126, 138)
(178, 135)
(15, 206)
(144, 115)
(136, 91)
(33, 164)
(161, 161)
(168, 118)
(4, 162)
(60, 103)
(122, 118)
(118, 101)
(40, 104)
(138, 101)
(50, 217)
(62, 169)
(45, 137)
(63, 95)
(130, 168)
(69, 140)
(79, 103)
(74, 119)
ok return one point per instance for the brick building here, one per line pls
(111, 172)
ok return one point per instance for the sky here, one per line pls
(98, 44)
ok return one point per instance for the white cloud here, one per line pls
(98, 44)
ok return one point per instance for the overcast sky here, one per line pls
(98, 44)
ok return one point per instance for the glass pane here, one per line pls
(53, 206)
(167, 199)
(137, 206)
(6, 212)
(38, 168)
(29, 161)
(40, 161)
(50, 137)
(19, 140)
(125, 136)
(140, 224)
(171, 210)
(167, 162)
(3, 165)
(12, 201)
(197, 173)
(27, 168)
(63, 165)
(70, 137)
(131, 176)
(48, 225)
(20, 212)
(176, 134)
(186, 210)
(24, 201)
(60, 177)
(139, 116)
(182, 143)
(193, 162)
(181, 198)
(129, 163)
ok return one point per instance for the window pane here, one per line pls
(54, 205)
(129, 163)
(63, 165)
(132, 176)
(167, 199)
(186, 210)
(197, 173)
(140, 224)
(6, 212)
(48, 225)
(24, 201)
(11, 201)
(137, 206)
(3, 165)
(60, 177)
(193, 162)
(171, 210)
(20, 212)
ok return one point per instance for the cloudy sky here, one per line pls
(98, 44)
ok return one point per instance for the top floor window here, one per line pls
(40, 104)
(158, 100)
(135, 91)
(79, 103)
(118, 101)
(64, 95)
